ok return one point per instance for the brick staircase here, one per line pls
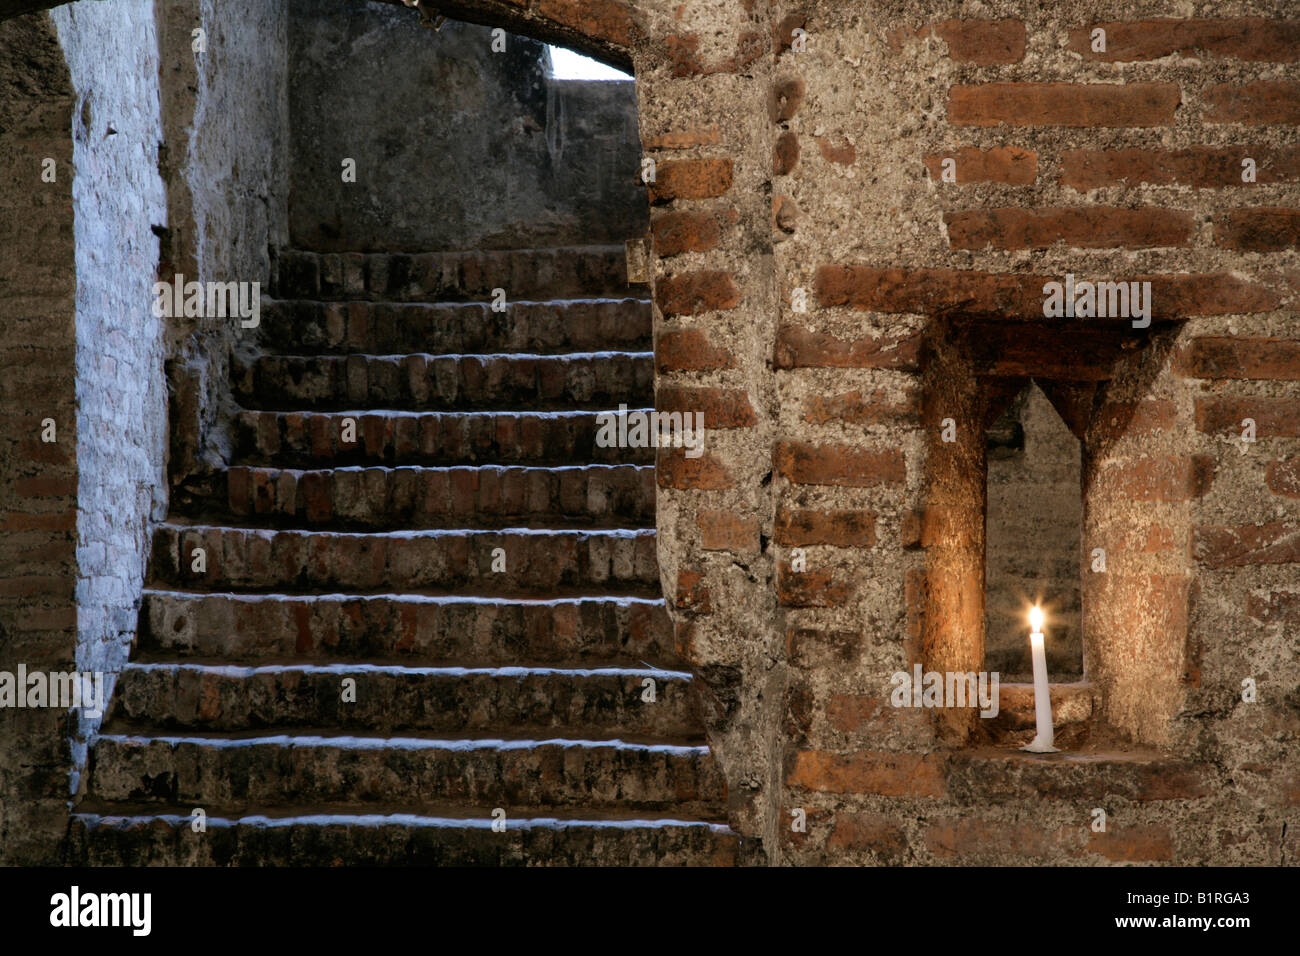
(372, 561)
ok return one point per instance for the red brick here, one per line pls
(1147, 843)
(1003, 294)
(982, 42)
(867, 832)
(855, 408)
(54, 521)
(30, 586)
(1242, 38)
(683, 51)
(783, 31)
(804, 463)
(1089, 227)
(1283, 477)
(809, 588)
(609, 20)
(1003, 164)
(879, 772)
(680, 231)
(727, 531)
(690, 179)
(800, 347)
(1116, 420)
(722, 407)
(1261, 103)
(928, 290)
(1234, 357)
(1159, 479)
(1274, 417)
(705, 473)
(1064, 104)
(691, 293)
(692, 593)
(45, 487)
(869, 716)
(785, 98)
(845, 155)
(1258, 229)
(1208, 294)
(785, 214)
(1203, 167)
(1246, 545)
(842, 529)
(972, 837)
(976, 838)
(689, 350)
(785, 155)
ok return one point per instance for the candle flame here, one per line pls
(1036, 618)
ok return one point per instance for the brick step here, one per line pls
(301, 326)
(433, 560)
(563, 272)
(313, 439)
(599, 631)
(536, 382)
(991, 775)
(537, 702)
(404, 773)
(396, 840)
(418, 497)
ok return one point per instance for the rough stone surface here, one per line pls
(38, 479)
(117, 197)
(456, 146)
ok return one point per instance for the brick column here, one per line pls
(702, 84)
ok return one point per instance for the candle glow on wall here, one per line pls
(1045, 737)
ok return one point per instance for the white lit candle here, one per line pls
(1043, 740)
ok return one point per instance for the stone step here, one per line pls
(539, 702)
(417, 497)
(407, 773)
(303, 326)
(444, 561)
(396, 840)
(596, 631)
(535, 382)
(562, 272)
(314, 439)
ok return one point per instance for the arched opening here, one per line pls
(1033, 522)
(1039, 487)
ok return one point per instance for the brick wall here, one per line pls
(38, 479)
(820, 175)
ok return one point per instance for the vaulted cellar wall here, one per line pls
(456, 145)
